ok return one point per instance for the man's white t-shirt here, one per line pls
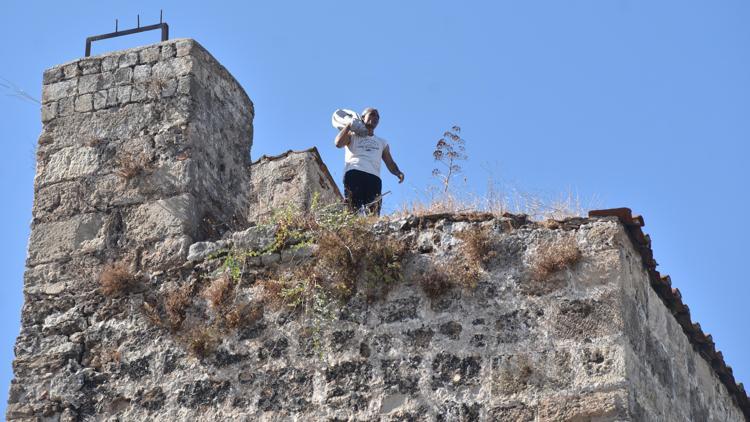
(364, 153)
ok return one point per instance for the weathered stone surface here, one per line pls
(255, 238)
(144, 159)
(201, 250)
(67, 164)
(507, 355)
(59, 90)
(290, 180)
(81, 234)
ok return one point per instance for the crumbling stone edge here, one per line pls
(702, 343)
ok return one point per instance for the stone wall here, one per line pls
(141, 149)
(662, 364)
(142, 153)
(290, 179)
(564, 347)
(143, 161)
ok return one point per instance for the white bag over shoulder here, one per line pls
(342, 117)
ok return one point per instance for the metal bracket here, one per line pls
(161, 25)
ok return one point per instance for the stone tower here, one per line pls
(144, 157)
(142, 153)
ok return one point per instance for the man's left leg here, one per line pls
(374, 188)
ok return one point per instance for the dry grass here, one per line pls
(382, 268)
(243, 314)
(271, 295)
(498, 202)
(464, 269)
(116, 279)
(220, 292)
(151, 310)
(288, 289)
(444, 276)
(176, 302)
(201, 341)
(554, 256)
(435, 281)
(131, 165)
(478, 245)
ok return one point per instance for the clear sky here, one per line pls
(643, 104)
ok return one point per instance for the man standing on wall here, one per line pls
(362, 184)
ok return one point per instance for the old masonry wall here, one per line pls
(142, 180)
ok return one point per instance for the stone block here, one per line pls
(452, 371)
(106, 80)
(111, 97)
(167, 51)
(170, 252)
(100, 100)
(58, 90)
(171, 217)
(184, 85)
(68, 163)
(53, 75)
(139, 92)
(49, 111)
(256, 238)
(71, 71)
(588, 318)
(84, 103)
(123, 76)
(201, 250)
(141, 73)
(84, 195)
(109, 63)
(80, 234)
(172, 68)
(169, 88)
(184, 47)
(531, 372)
(89, 83)
(517, 412)
(64, 323)
(609, 406)
(72, 272)
(90, 66)
(149, 55)
(66, 106)
(128, 60)
(123, 94)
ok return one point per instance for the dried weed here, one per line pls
(116, 279)
(176, 302)
(478, 245)
(554, 256)
(220, 292)
(201, 341)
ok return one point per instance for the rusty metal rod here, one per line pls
(163, 26)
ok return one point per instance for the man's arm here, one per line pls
(392, 167)
(344, 137)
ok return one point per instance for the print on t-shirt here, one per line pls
(364, 153)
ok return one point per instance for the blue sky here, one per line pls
(634, 103)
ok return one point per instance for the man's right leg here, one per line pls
(353, 190)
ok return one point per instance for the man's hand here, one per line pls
(344, 136)
(392, 167)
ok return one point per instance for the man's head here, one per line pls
(371, 117)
